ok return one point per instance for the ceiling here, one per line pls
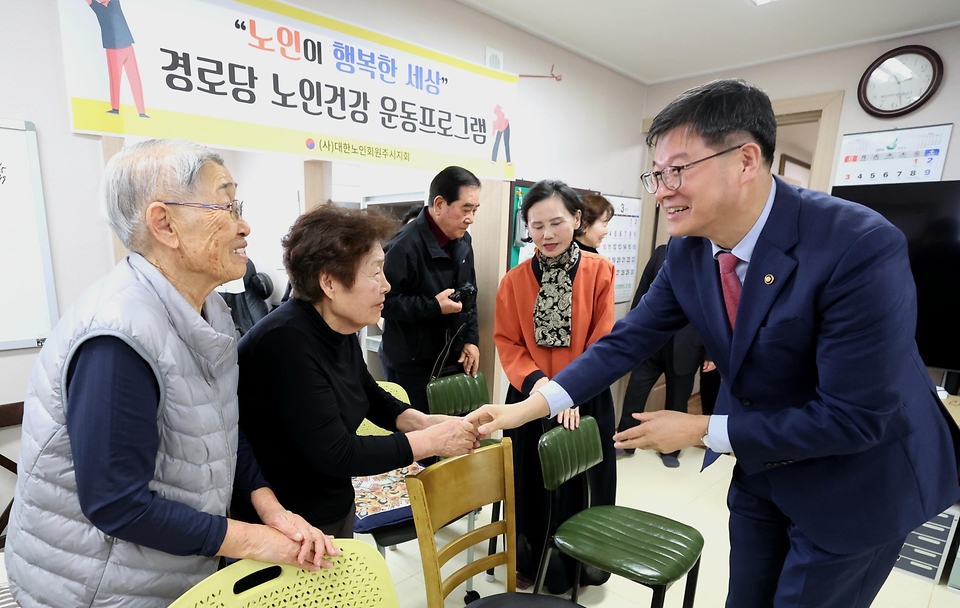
(655, 41)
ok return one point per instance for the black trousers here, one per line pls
(709, 389)
(342, 528)
(679, 386)
(416, 384)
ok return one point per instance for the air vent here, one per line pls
(494, 59)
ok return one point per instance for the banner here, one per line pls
(264, 75)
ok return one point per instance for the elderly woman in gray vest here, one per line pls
(131, 452)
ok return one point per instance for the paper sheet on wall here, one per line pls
(893, 157)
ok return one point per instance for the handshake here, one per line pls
(453, 436)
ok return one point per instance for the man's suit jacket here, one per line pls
(826, 393)
(688, 353)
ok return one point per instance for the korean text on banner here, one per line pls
(262, 74)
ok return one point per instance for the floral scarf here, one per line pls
(552, 314)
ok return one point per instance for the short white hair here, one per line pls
(154, 170)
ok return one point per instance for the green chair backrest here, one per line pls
(359, 578)
(457, 395)
(565, 454)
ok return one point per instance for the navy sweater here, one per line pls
(112, 424)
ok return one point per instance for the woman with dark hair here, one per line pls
(597, 212)
(549, 309)
(304, 385)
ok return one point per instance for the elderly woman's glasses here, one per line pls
(235, 207)
(670, 176)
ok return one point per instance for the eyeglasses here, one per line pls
(670, 176)
(235, 207)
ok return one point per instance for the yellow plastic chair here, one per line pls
(393, 534)
(358, 579)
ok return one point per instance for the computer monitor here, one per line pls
(928, 213)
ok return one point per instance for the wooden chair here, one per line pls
(359, 579)
(451, 488)
(646, 548)
(11, 414)
(458, 395)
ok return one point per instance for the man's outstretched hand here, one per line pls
(490, 418)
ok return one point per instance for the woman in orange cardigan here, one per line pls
(549, 309)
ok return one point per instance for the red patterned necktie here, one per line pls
(730, 283)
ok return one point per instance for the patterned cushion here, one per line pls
(382, 500)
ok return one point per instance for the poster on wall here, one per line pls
(893, 157)
(622, 244)
(265, 75)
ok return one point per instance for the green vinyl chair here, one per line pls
(457, 395)
(359, 578)
(649, 549)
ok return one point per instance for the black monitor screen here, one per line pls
(929, 215)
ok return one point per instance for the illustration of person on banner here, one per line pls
(502, 128)
(118, 43)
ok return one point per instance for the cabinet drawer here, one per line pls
(944, 519)
(917, 554)
(934, 531)
(909, 565)
(926, 542)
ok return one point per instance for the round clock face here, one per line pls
(900, 81)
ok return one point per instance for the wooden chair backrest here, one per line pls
(451, 488)
(11, 414)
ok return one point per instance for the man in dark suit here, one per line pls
(678, 360)
(806, 304)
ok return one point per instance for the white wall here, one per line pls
(34, 89)
(840, 71)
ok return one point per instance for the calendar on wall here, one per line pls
(893, 157)
(622, 244)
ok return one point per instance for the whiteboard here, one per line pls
(622, 244)
(28, 301)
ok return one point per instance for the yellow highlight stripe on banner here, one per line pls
(307, 16)
(90, 116)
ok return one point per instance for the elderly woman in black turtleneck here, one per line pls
(304, 385)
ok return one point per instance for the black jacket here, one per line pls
(414, 331)
(688, 351)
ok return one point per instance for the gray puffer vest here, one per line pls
(54, 555)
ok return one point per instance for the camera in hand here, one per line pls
(466, 295)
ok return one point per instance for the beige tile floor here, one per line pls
(685, 494)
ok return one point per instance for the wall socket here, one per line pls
(494, 59)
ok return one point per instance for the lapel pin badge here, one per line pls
(768, 280)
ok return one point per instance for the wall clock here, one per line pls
(900, 81)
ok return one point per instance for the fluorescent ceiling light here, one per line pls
(762, 2)
(896, 66)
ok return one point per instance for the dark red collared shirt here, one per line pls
(442, 239)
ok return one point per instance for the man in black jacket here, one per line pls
(679, 359)
(426, 333)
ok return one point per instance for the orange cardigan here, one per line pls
(592, 317)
